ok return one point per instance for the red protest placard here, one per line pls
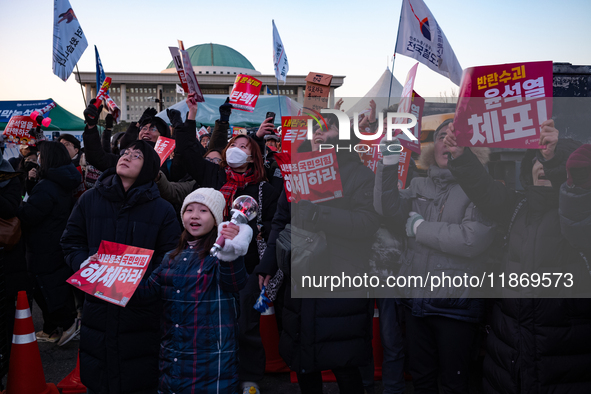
(312, 176)
(178, 63)
(116, 275)
(164, 147)
(17, 130)
(294, 131)
(245, 93)
(191, 78)
(502, 106)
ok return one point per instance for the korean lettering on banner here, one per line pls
(294, 131)
(317, 91)
(164, 147)
(117, 274)
(312, 176)
(502, 106)
(245, 93)
(17, 130)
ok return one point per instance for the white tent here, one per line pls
(379, 93)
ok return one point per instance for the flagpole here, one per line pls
(394, 57)
(279, 99)
(82, 90)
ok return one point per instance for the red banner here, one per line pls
(245, 93)
(164, 147)
(502, 106)
(17, 130)
(312, 176)
(117, 274)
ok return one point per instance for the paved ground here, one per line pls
(59, 361)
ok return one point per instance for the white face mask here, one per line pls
(235, 157)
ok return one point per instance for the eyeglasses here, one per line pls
(152, 129)
(132, 155)
(214, 160)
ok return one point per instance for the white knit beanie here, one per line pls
(211, 198)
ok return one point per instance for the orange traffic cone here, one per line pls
(25, 373)
(270, 337)
(71, 384)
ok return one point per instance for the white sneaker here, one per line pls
(70, 333)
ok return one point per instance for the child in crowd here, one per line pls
(199, 331)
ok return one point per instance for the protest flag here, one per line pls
(100, 72)
(69, 42)
(279, 57)
(421, 38)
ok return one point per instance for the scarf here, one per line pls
(235, 181)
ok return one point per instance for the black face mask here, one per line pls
(29, 165)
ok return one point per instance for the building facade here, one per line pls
(216, 67)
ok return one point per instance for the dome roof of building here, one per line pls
(216, 55)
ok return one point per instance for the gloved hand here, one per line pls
(92, 113)
(148, 114)
(109, 121)
(175, 117)
(225, 110)
(390, 150)
(234, 248)
(413, 223)
(578, 167)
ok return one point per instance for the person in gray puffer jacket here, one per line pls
(446, 234)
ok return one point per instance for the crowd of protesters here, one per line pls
(191, 326)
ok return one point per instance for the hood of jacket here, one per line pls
(67, 177)
(109, 186)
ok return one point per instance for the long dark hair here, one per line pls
(255, 152)
(53, 155)
(205, 243)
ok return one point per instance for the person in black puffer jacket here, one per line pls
(330, 333)
(446, 234)
(13, 266)
(43, 217)
(536, 345)
(119, 346)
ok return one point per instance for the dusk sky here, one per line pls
(350, 38)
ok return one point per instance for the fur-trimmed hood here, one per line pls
(427, 157)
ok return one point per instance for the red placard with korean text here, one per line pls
(245, 93)
(17, 130)
(164, 147)
(117, 274)
(294, 131)
(502, 106)
(312, 176)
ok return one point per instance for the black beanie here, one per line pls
(151, 166)
(160, 125)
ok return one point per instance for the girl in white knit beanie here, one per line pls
(199, 293)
